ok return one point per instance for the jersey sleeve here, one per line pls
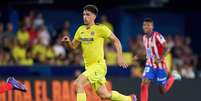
(160, 38)
(105, 31)
(144, 41)
(77, 34)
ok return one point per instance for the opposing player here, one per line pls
(155, 68)
(92, 37)
(12, 84)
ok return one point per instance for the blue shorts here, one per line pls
(157, 75)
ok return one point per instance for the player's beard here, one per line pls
(147, 31)
(86, 22)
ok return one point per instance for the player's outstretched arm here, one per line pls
(166, 49)
(117, 44)
(70, 44)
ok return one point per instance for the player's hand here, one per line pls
(121, 62)
(158, 61)
(136, 57)
(65, 39)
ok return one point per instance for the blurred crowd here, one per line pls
(34, 43)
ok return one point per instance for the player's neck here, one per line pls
(90, 24)
(148, 34)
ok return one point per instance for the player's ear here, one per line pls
(94, 16)
(152, 26)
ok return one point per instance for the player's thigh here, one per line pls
(146, 81)
(103, 92)
(161, 77)
(162, 90)
(148, 75)
(96, 75)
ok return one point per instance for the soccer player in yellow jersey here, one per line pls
(91, 36)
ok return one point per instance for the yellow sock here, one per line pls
(116, 96)
(81, 97)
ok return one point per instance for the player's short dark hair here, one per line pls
(91, 8)
(148, 20)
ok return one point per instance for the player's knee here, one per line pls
(79, 86)
(102, 96)
(105, 96)
(146, 81)
(162, 91)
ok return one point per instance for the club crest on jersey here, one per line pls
(82, 32)
(92, 33)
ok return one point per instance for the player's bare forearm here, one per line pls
(166, 49)
(118, 47)
(70, 44)
(117, 44)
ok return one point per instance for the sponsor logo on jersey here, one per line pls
(92, 33)
(87, 39)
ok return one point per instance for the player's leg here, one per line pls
(5, 87)
(148, 75)
(104, 94)
(144, 94)
(164, 88)
(98, 81)
(12, 84)
(80, 82)
(164, 80)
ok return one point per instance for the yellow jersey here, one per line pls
(23, 36)
(92, 42)
(19, 52)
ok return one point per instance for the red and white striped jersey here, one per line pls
(154, 46)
